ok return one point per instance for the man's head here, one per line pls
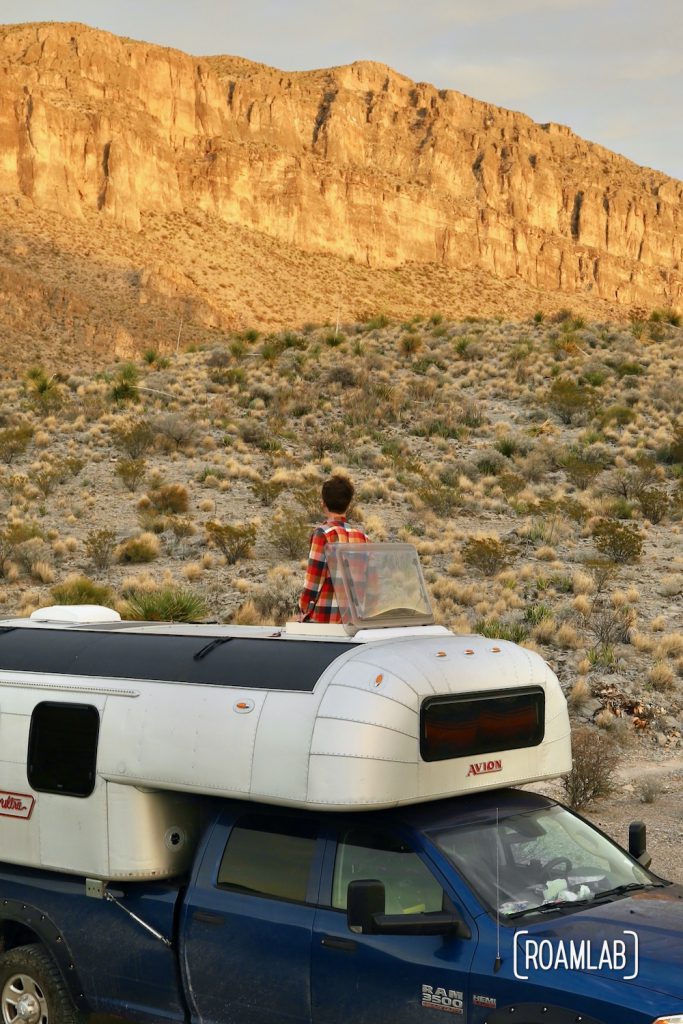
(337, 494)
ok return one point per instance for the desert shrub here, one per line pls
(654, 503)
(491, 463)
(291, 534)
(410, 343)
(594, 762)
(125, 385)
(672, 453)
(666, 316)
(142, 548)
(511, 484)
(440, 498)
(131, 472)
(81, 590)
(609, 626)
(99, 547)
(472, 415)
(650, 789)
(343, 375)
(488, 554)
(515, 632)
(13, 546)
(45, 479)
(622, 542)
(570, 401)
(508, 446)
(376, 323)
(267, 491)
(14, 441)
(175, 430)
(169, 604)
(580, 470)
(277, 600)
(233, 541)
(170, 498)
(254, 433)
(620, 415)
(134, 438)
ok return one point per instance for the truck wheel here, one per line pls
(32, 990)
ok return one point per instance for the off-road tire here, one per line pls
(34, 963)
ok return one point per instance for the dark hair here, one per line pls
(338, 494)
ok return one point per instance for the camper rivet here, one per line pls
(378, 679)
(71, 967)
(42, 917)
(58, 939)
(495, 650)
(470, 651)
(441, 654)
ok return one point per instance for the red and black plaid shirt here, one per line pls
(317, 602)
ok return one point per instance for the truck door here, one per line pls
(247, 923)
(385, 978)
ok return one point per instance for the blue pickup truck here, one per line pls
(500, 906)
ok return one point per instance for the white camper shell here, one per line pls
(110, 729)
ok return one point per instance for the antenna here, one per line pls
(497, 962)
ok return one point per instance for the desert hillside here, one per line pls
(537, 467)
(142, 189)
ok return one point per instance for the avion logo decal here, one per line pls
(15, 805)
(482, 767)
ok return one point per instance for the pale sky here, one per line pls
(610, 69)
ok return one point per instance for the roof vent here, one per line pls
(75, 613)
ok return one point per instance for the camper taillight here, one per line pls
(462, 725)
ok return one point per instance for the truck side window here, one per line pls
(370, 853)
(62, 748)
(268, 857)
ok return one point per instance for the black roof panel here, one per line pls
(258, 663)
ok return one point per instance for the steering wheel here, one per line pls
(556, 862)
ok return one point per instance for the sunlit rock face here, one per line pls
(357, 161)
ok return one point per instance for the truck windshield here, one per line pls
(540, 860)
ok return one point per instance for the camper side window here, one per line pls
(269, 857)
(62, 748)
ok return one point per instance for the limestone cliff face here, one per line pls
(357, 161)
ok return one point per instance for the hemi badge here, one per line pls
(243, 707)
(16, 805)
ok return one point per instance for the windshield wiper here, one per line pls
(618, 890)
(629, 887)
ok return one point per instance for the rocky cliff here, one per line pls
(357, 162)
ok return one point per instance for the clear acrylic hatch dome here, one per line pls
(378, 585)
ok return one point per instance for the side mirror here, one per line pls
(365, 898)
(637, 843)
(365, 914)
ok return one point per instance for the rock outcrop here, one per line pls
(356, 161)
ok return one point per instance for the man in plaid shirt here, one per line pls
(317, 602)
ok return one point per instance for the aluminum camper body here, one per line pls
(162, 715)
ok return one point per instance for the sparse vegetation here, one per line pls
(595, 758)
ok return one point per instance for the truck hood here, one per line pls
(656, 917)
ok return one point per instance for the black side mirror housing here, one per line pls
(637, 843)
(366, 900)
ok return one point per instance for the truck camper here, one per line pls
(313, 824)
(109, 729)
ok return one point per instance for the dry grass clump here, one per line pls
(78, 589)
(661, 677)
(144, 547)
